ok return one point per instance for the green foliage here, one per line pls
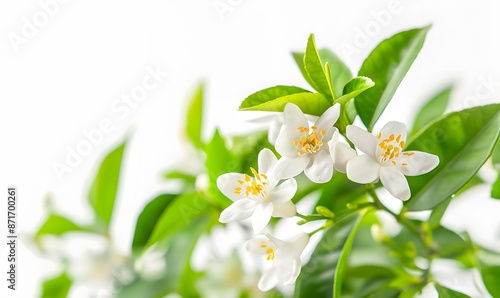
(495, 190)
(328, 260)
(253, 101)
(319, 75)
(432, 109)
(354, 88)
(103, 191)
(58, 225)
(387, 65)
(490, 276)
(448, 293)
(339, 73)
(463, 141)
(194, 118)
(148, 219)
(56, 287)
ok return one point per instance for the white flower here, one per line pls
(260, 197)
(386, 160)
(341, 153)
(285, 255)
(305, 148)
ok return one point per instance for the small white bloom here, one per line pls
(285, 255)
(341, 153)
(260, 197)
(386, 160)
(305, 148)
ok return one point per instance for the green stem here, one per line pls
(315, 231)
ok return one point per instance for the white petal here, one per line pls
(268, 280)
(328, 118)
(287, 167)
(239, 210)
(320, 170)
(294, 116)
(284, 192)
(261, 216)
(395, 182)
(227, 183)
(341, 154)
(395, 128)
(284, 210)
(288, 272)
(274, 129)
(363, 169)
(259, 245)
(284, 142)
(362, 139)
(267, 160)
(330, 132)
(414, 163)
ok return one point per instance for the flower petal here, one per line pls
(284, 192)
(261, 216)
(294, 116)
(363, 169)
(275, 129)
(414, 163)
(320, 170)
(395, 182)
(396, 128)
(285, 210)
(288, 167)
(362, 139)
(268, 280)
(284, 143)
(288, 272)
(267, 160)
(328, 118)
(239, 210)
(259, 245)
(341, 154)
(227, 183)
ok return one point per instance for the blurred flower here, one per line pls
(260, 197)
(285, 255)
(151, 264)
(384, 159)
(306, 148)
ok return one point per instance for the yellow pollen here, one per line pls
(247, 178)
(391, 146)
(404, 164)
(398, 139)
(379, 135)
(309, 143)
(402, 144)
(255, 187)
(270, 254)
(322, 132)
(241, 181)
(314, 127)
(408, 153)
(393, 162)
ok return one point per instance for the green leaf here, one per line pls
(179, 212)
(58, 225)
(315, 70)
(188, 178)
(387, 65)
(309, 103)
(103, 191)
(495, 190)
(495, 156)
(432, 109)
(448, 243)
(194, 118)
(463, 142)
(328, 261)
(439, 210)
(339, 72)
(268, 94)
(246, 148)
(56, 287)
(219, 161)
(354, 88)
(148, 219)
(448, 293)
(299, 59)
(490, 276)
(339, 192)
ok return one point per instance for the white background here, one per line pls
(65, 79)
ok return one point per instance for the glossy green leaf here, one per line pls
(148, 219)
(440, 209)
(102, 194)
(448, 293)
(339, 72)
(448, 243)
(490, 275)
(179, 212)
(495, 189)
(354, 88)
(299, 59)
(219, 161)
(56, 287)
(387, 65)
(495, 156)
(433, 109)
(269, 94)
(309, 103)
(194, 118)
(186, 177)
(463, 142)
(328, 260)
(58, 225)
(316, 71)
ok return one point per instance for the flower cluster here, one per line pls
(315, 149)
